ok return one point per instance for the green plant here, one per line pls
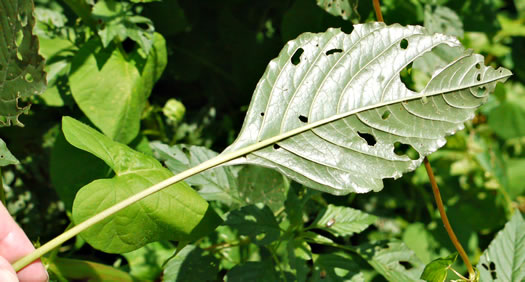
(332, 112)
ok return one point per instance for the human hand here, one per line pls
(14, 244)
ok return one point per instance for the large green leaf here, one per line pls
(504, 260)
(336, 108)
(21, 67)
(123, 83)
(149, 220)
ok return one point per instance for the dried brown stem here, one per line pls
(446, 223)
(377, 8)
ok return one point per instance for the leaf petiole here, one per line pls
(446, 223)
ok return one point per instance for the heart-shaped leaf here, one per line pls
(336, 110)
(175, 213)
(124, 82)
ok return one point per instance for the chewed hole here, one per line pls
(402, 149)
(406, 77)
(128, 45)
(28, 77)
(303, 119)
(403, 44)
(478, 77)
(369, 138)
(385, 115)
(333, 51)
(276, 146)
(186, 152)
(481, 91)
(262, 114)
(406, 264)
(478, 66)
(296, 58)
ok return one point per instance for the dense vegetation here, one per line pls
(173, 80)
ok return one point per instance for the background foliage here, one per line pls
(183, 72)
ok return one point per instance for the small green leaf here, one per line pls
(147, 221)
(146, 263)
(123, 84)
(337, 267)
(346, 9)
(119, 22)
(436, 271)
(216, 184)
(263, 185)
(441, 19)
(342, 221)
(255, 221)
(6, 158)
(504, 259)
(191, 264)
(394, 260)
(21, 67)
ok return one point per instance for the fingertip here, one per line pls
(7, 273)
(33, 272)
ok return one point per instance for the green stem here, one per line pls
(446, 223)
(2, 191)
(220, 159)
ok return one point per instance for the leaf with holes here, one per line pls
(339, 117)
(346, 9)
(504, 260)
(394, 260)
(21, 67)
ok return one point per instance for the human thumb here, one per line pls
(7, 273)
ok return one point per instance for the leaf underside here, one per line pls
(336, 108)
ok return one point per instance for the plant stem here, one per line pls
(377, 8)
(2, 191)
(446, 223)
(211, 163)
